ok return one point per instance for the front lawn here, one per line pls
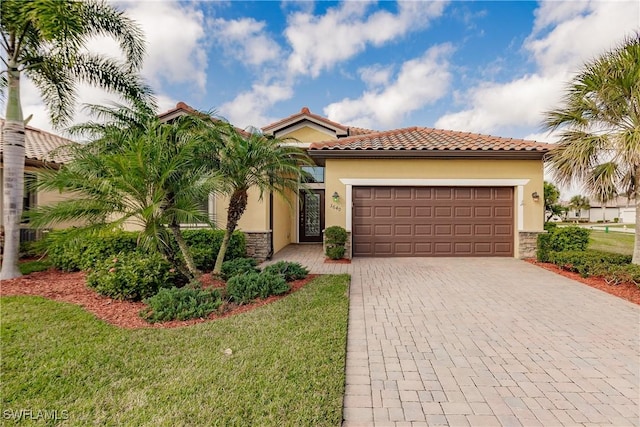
(286, 366)
(613, 241)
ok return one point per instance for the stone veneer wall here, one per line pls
(258, 244)
(347, 247)
(528, 243)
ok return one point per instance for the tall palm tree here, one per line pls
(45, 41)
(150, 174)
(599, 125)
(579, 203)
(253, 160)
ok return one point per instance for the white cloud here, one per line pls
(319, 42)
(419, 82)
(564, 36)
(244, 40)
(376, 75)
(247, 109)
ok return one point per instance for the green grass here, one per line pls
(28, 267)
(287, 366)
(617, 242)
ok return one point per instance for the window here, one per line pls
(29, 195)
(316, 174)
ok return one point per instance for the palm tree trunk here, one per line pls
(13, 175)
(186, 252)
(237, 206)
(636, 246)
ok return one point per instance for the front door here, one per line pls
(311, 221)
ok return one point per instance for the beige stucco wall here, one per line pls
(283, 220)
(532, 170)
(307, 134)
(256, 216)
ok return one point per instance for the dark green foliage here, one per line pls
(335, 235)
(335, 238)
(588, 263)
(34, 249)
(550, 226)
(133, 276)
(617, 274)
(247, 287)
(289, 270)
(205, 245)
(560, 240)
(335, 252)
(238, 266)
(181, 304)
(70, 250)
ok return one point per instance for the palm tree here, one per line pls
(599, 125)
(150, 174)
(45, 41)
(253, 160)
(579, 203)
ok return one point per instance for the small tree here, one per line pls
(552, 204)
(579, 203)
(253, 160)
(599, 124)
(148, 173)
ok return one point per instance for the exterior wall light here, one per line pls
(536, 196)
(335, 196)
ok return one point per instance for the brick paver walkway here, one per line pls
(483, 342)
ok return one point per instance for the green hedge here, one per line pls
(245, 288)
(588, 263)
(72, 250)
(205, 245)
(133, 276)
(238, 266)
(560, 240)
(181, 304)
(289, 270)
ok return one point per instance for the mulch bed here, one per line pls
(628, 291)
(72, 287)
(337, 261)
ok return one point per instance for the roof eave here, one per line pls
(320, 155)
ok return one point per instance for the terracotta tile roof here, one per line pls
(428, 139)
(306, 113)
(183, 108)
(41, 145)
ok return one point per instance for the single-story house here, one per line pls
(406, 192)
(620, 209)
(41, 150)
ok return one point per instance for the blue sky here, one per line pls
(487, 67)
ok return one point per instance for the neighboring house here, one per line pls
(40, 151)
(405, 192)
(612, 209)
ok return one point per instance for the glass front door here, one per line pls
(311, 221)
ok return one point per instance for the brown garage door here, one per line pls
(433, 221)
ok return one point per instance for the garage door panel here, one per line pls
(433, 221)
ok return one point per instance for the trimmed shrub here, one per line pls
(289, 270)
(335, 238)
(589, 263)
(181, 304)
(550, 226)
(205, 244)
(247, 287)
(238, 266)
(335, 235)
(560, 240)
(73, 250)
(335, 252)
(133, 276)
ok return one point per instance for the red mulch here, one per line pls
(71, 287)
(337, 261)
(628, 291)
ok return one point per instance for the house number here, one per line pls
(335, 207)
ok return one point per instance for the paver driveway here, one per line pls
(483, 342)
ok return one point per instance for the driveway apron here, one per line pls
(483, 342)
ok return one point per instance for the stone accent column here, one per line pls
(528, 243)
(258, 244)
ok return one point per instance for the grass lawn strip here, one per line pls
(621, 243)
(287, 366)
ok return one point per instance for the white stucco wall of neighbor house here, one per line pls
(628, 215)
